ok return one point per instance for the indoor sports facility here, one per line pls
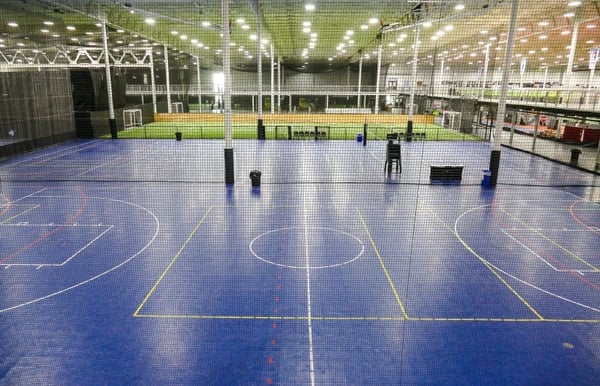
(276, 192)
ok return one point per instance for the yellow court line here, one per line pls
(369, 319)
(161, 277)
(387, 275)
(487, 264)
(20, 214)
(596, 269)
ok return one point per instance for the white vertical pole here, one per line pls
(199, 83)
(413, 85)
(360, 65)
(545, 77)
(485, 69)
(571, 59)
(279, 84)
(168, 79)
(377, 81)
(592, 67)
(109, 91)
(259, 66)
(229, 171)
(442, 75)
(496, 136)
(153, 81)
(272, 80)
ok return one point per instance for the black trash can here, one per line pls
(255, 177)
(178, 136)
(575, 153)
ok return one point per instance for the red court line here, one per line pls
(58, 228)
(557, 262)
(7, 207)
(574, 216)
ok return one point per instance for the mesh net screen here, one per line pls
(283, 192)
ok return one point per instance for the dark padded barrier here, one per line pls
(446, 172)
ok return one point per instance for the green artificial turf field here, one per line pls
(335, 131)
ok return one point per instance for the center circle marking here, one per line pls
(268, 243)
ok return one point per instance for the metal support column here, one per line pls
(168, 79)
(378, 80)
(153, 81)
(229, 170)
(111, 108)
(413, 86)
(259, 124)
(199, 84)
(496, 136)
(360, 65)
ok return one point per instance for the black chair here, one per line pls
(393, 154)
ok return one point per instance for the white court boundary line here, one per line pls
(24, 212)
(157, 223)
(66, 261)
(308, 297)
(70, 150)
(458, 235)
(119, 158)
(305, 230)
(579, 271)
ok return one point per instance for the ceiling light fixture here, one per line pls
(309, 7)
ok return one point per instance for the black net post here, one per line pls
(113, 128)
(260, 129)
(229, 173)
(494, 166)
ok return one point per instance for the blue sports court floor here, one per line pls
(131, 262)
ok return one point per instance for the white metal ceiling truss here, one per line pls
(80, 57)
